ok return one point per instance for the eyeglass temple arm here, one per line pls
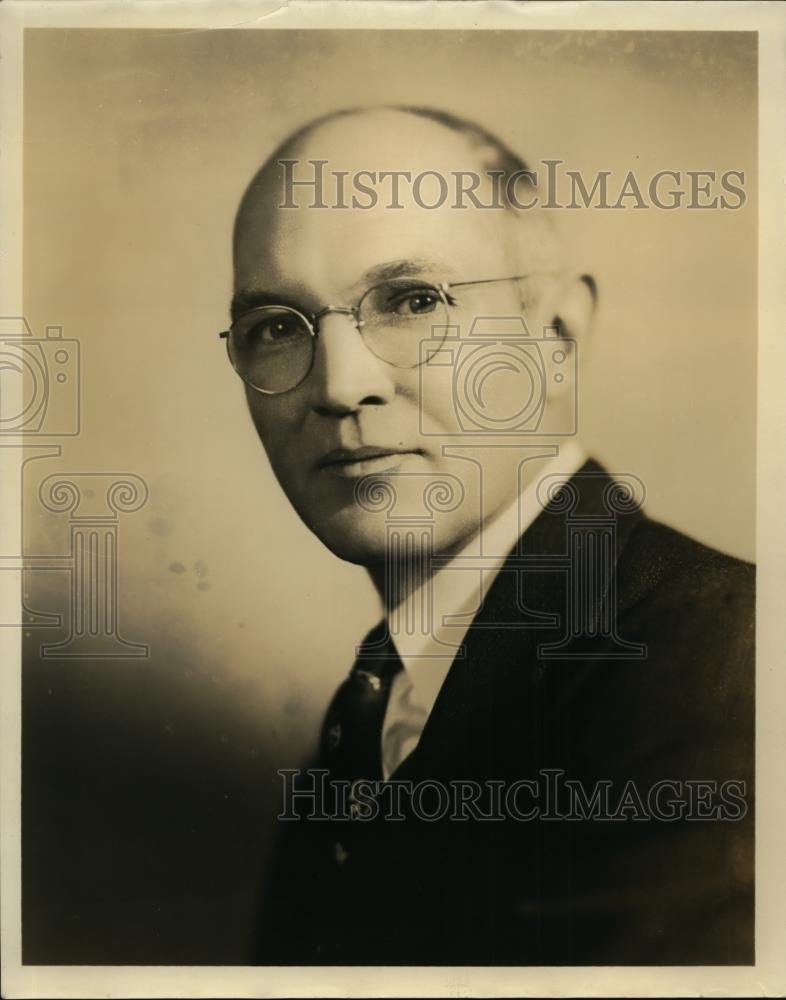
(483, 281)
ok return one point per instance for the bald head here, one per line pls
(373, 161)
(475, 147)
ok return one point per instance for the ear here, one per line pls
(573, 306)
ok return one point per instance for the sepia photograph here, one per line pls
(394, 580)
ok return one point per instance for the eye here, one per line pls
(275, 330)
(416, 302)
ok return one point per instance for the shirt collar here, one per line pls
(457, 594)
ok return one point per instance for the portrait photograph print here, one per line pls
(392, 551)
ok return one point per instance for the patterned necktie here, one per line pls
(352, 733)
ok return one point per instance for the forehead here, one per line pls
(329, 250)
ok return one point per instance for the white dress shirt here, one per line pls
(456, 595)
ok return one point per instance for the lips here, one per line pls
(360, 461)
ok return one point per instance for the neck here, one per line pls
(397, 579)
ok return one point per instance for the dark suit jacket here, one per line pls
(638, 889)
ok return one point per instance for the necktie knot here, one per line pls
(377, 657)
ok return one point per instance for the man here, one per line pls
(574, 680)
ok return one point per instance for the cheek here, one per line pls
(276, 421)
(435, 399)
(273, 416)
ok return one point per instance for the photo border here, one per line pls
(768, 975)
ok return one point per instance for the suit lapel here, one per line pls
(502, 704)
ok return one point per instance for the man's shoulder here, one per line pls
(692, 608)
(673, 651)
(659, 563)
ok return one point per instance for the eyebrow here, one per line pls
(246, 299)
(415, 267)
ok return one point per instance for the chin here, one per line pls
(360, 551)
(364, 539)
(353, 538)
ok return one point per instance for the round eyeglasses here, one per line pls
(272, 348)
(403, 321)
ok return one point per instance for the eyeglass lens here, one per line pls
(402, 322)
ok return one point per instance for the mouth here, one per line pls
(350, 463)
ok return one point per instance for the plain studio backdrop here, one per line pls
(138, 146)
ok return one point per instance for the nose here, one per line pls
(346, 375)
